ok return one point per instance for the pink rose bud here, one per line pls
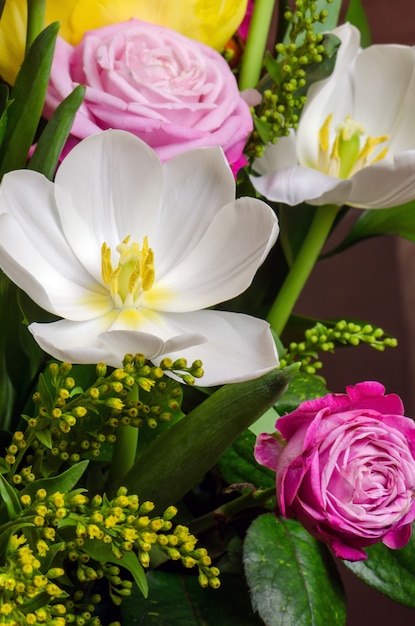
(175, 93)
(345, 468)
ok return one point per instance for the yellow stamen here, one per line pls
(346, 155)
(135, 271)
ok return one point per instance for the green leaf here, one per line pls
(2, 5)
(391, 572)
(45, 393)
(399, 220)
(64, 482)
(301, 387)
(102, 553)
(10, 500)
(28, 95)
(176, 600)
(238, 465)
(45, 438)
(5, 102)
(52, 140)
(180, 457)
(356, 15)
(292, 578)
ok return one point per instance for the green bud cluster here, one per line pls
(57, 559)
(71, 423)
(323, 338)
(283, 86)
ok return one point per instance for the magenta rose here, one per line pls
(345, 468)
(174, 93)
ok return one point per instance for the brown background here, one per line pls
(374, 281)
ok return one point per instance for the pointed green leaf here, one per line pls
(178, 600)
(399, 220)
(64, 482)
(102, 553)
(52, 140)
(301, 387)
(292, 578)
(28, 95)
(10, 499)
(391, 572)
(45, 438)
(181, 456)
(356, 15)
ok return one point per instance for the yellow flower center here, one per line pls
(134, 273)
(345, 156)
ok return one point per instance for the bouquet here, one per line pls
(170, 176)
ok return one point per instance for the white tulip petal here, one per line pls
(223, 262)
(51, 290)
(29, 197)
(238, 347)
(385, 184)
(75, 342)
(122, 342)
(294, 185)
(276, 156)
(200, 179)
(108, 187)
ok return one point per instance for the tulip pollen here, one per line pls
(346, 155)
(134, 273)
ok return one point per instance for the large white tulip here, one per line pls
(128, 252)
(355, 142)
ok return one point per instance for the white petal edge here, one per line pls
(293, 185)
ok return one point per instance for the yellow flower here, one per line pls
(211, 21)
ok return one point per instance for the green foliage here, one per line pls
(304, 57)
(180, 457)
(177, 600)
(286, 570)
(399, 220)
(237, 464)
(356, 15)
(391, 572)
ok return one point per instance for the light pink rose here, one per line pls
(174, 93)
(346, 469)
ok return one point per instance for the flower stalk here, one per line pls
(256, 43)
(35, 20)
(302, 267)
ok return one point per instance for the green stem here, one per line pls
(227, 511)
(302, 267)
(35, 20)
(255, 44)
(125, 448)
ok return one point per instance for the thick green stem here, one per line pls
(255, 45)
(227, 511)
(35, 20)
(302, 267)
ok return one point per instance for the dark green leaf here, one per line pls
(273, 67)
(302, 387)
(45, 393)
(45, 438)
(356, 15)
(28, 95)
(180, 457)
(10, 499)
(2, 5)
(399, 220)
(102, 553)
(292, 578)
(391, 572)
(5, 102)
(176, 600)
(64, 482)
(52, 140)
(237, 465)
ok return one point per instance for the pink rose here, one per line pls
(346, 469)
(174, 93)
